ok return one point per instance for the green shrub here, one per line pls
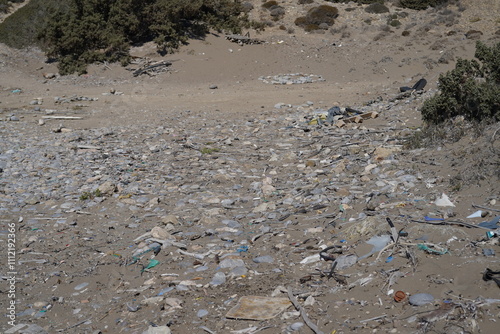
(311, 27)
(322, 14)
(394, 23)
(300, 21)
(365, 2)
(421, 4)
(471, 90)
(377, 8)
(305, 2)
(86, 31)
(269, 4)
(316, 16)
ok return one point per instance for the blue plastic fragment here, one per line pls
(492, 224)
(242, 249)
(488, 252)
(429, 219)
(389, 259)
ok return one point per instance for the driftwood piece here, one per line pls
(303, 313)
(359, 118)
(62, 117)
(152, 68)
(240, 39)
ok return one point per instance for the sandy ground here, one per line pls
(360, 62)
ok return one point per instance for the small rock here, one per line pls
(107, 188)
(49, 75)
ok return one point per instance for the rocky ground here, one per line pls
(210, 199)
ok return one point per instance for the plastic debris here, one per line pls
(152, 263)
(444, 201)
(258, 308)
(477, 214)
(158, 330)
(433, 219)
(492, 224)
(399, 296)
(378, 242)
(311, 259)
(433, 249)
(488, 252)
(420, 299)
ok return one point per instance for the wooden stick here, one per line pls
(483, 207)
(62, 117)
(375, 318)
(75, 325)
(303, 313)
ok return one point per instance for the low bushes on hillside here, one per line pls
(79, 32)
(471, 90)
(316, 17)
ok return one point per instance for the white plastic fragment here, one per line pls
(477, 214)
(420, 299)
(311, 259)
(444, 201)
(378, 242)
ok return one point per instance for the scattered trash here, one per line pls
(258, 308)
(149, 67)
(477, 214)
(241, 40)
(444, 201)
(490, 275)
(311, 259)
(378, 242)
(420, 299)
(430, 219)
(291, 79)
(152, 263)
(492, 234)
(158, 330)
(492, 224)
(488, 252)
(433, 249)
(416, 87)
(399, 296)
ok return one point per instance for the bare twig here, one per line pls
(303, 313)
(375, 318)
(392, 245)
(73, 326)
(483, 207)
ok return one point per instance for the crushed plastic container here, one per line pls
(420, 299)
